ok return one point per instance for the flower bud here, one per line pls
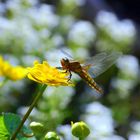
(80, 130)
(36, 127)
(51, 136)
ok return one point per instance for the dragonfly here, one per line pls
(92, 67)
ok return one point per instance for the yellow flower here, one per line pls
(17, 73)
(46, 74)
(11, 72)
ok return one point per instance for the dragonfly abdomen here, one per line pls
(90, 81)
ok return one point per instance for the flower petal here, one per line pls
(46, 74)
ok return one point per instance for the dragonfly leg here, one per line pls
(70, 76)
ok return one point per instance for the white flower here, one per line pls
(65, 130)
(2, 8)
(136, 126)
(134, 137)
(58, 40)
(119, 30)
(66, 22)
(135, 134)
(82, 33)
(99, 119)
(44, 16)
(129, 64)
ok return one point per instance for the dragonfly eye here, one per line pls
(65, 60)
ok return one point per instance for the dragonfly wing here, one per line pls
(67, 53)
(96, 58)
(101, 62)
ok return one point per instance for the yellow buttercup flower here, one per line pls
(46, 74)
(17, 73)
(11, 72)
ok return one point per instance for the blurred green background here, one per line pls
(38, 30)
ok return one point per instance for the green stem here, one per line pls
(80, 138)
(39, 94)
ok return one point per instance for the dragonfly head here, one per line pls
(65, 63)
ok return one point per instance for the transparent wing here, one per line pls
(101, 62)
(67, 53)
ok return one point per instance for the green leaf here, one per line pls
(4, 134)
(11, 122)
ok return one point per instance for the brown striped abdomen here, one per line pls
(90, 81)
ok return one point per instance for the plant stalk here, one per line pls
(37, 97)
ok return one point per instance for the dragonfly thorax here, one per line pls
(65, 63)
(73, 66)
